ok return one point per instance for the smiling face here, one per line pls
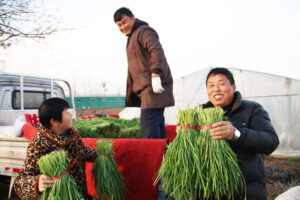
(125, 25)
(65, 124)
(219, 90)
(66, 121)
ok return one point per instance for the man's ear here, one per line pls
(234, 87)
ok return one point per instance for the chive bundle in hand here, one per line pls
(108, 180)
(195, 165)
(53, 165)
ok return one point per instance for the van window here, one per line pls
(6, 100)
(32, 99)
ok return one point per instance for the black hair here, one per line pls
(52, 109)
(221, 70)
(121, 12)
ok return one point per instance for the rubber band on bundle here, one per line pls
(189, 127)
(105, 156)
(58, 177)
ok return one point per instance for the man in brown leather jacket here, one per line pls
(149, 80)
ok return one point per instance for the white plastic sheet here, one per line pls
(280, 96)
(291, 194)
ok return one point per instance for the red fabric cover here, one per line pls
(86, 117)
(29, 131)
(93, 116)
(116, 116)
(138, 161)
(28, 118)
(35, 119)
(171, 132)
(32, 119)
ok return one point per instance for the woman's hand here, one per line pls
(45, 182)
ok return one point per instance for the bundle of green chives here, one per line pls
(108, 180)
(223, 176)
(181, 163)
(196, 166)
(53, 165)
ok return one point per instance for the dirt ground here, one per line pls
(282, 174)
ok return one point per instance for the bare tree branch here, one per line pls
(23, 19)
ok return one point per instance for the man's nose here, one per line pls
(216, 88)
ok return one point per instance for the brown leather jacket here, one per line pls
(26, 183)
(145, 55)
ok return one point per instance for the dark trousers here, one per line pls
(153, 123)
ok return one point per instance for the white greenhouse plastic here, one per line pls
(279, 95)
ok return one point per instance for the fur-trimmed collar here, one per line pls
(59, 139)
(137, 24)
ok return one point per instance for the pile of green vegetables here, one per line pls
(195, 165)
(55, 164)
(108, 180)
(109, 127)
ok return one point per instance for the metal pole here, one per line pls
(52, 92)
(22, 91)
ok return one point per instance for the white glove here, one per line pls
(156, 85)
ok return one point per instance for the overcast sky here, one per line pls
(255, 35)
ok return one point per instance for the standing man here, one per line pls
(249, 131)
(149, 80)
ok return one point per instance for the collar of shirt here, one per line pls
(65, 134)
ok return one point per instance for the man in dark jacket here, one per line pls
(149, 79)
(249, 132)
